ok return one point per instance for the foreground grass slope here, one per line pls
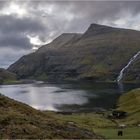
(18, 121)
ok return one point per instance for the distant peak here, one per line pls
(98, 25)
(69, 34)
(96, 29)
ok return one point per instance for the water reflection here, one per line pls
(121, 87)
(45, 97)
(67, 96)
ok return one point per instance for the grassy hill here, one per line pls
(6, 76)
(130, 102)
(18, 121)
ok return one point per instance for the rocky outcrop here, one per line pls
(98, 54)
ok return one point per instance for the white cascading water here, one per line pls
(119, 78)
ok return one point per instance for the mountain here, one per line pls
(99, 54)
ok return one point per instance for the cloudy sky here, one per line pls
(26, 25)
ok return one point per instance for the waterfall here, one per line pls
(119, 78)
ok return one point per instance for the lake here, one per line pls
(76, 96)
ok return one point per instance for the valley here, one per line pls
(69, 69)
(72, 85)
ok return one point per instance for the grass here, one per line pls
(20, 121)
(43, 77)
(130, 102)
(7, 77)
(10, 81)
(108, 128)
(112, 133)
(88, 120)
(99, 124)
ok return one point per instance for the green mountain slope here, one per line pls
(130, 102)
(6, 76)
(99, 54)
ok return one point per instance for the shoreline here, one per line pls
(30, 81)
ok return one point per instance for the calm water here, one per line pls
(67, 97)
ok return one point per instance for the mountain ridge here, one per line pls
(93, 55)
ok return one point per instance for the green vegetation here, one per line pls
(42, 77)
(99, 124)
(87, 120)
(130, 102)
(111, 133)
(107, 127)
(7, 77)
(18, 121)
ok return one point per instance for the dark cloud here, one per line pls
(3, 3)
(12, 24)
(49, 19)
(10, 55)
(13, 31)
(17, 42)
(76, 16)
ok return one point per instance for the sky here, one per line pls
(27, 25)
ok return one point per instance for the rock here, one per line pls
(71, 123)
(138, 125)
(122, 126)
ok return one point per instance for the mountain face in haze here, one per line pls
(98, 54)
